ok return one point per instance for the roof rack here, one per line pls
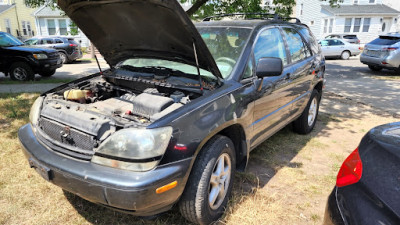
(262, 16)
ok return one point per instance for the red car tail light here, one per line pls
(390, 49)
(351, 170)
(73, 45)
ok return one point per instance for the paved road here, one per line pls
(74, 70)
(352, 79)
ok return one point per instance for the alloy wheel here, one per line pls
(312, 111)
(219, 182)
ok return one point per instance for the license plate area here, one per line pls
(44, 171)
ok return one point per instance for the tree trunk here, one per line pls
(195, 7)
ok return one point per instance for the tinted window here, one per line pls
(72, 41)
(297, 48)
(385, 40)
(335, 42)
(309, 37)
(350, 37)
(59, 41)
(46, 41)
(270, 44)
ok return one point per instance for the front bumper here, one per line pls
(127, 191)
(47, 65)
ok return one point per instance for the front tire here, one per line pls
(375, 68)
(210, 183)
(306, 122)
(345, 55)
(21, 71)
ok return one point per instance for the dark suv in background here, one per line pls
(69, 49)
(351, 38)
(179, 110)
(23, 62)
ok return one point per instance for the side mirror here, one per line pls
(268, 67)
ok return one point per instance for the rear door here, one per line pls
(337, 47)
(272, 107)
(302, 67)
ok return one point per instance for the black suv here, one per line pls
(22, 62)
(69, 49)
(179, 110)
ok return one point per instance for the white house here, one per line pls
(365, 18)
(51, 22)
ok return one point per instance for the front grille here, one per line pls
(73, 140)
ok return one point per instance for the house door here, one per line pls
(386, 24)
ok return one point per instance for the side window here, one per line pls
(58, 41)
(307, 35)
(47, 41)
(297, 48)
(324, 43)
(339, 42)
(270, 44)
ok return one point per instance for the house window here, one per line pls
(24, 30)
(51, 26)
(357, 25)
(355, 2)
(347, 25)
(63, 27)
(366, 24)
(312, 23)
(371, 1)
(8, 25)
(330, 25)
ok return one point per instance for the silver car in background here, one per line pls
(383, 52)
(338, 48)
(351, 38)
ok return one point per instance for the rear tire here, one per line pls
(306, 122)
(64, 58)
(375, 68)
(210, 182)
(345, 55)
(47, 73)
(21, 71)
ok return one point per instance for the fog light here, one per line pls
(166, 187)
(46, 65)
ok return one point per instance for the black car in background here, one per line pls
(69, 49)
(23, 62)
(367, 189)
(179, 110)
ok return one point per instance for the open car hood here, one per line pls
(123, 29)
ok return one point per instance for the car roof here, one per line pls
(343, 34)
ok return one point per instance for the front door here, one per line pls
(386, 25)
(272, 105)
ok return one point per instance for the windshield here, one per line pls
(224, 43)
(32, 41)
(7, 40)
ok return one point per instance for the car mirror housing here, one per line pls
(269, 66)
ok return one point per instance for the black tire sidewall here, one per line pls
(66, 58)
(301, 124)
(197, 187)
(30, 74)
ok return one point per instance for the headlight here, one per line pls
(134, 149)
(35, 111)
(40, 56)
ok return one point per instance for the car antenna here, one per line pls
(98, 64)
(198, 67)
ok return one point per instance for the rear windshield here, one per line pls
(72, 41)
(385, 40)
(350, 36)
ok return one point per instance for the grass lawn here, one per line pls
(287, 182)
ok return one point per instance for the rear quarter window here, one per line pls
(310, 39)
(350, 37)
(72, 41)
(385, 40)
